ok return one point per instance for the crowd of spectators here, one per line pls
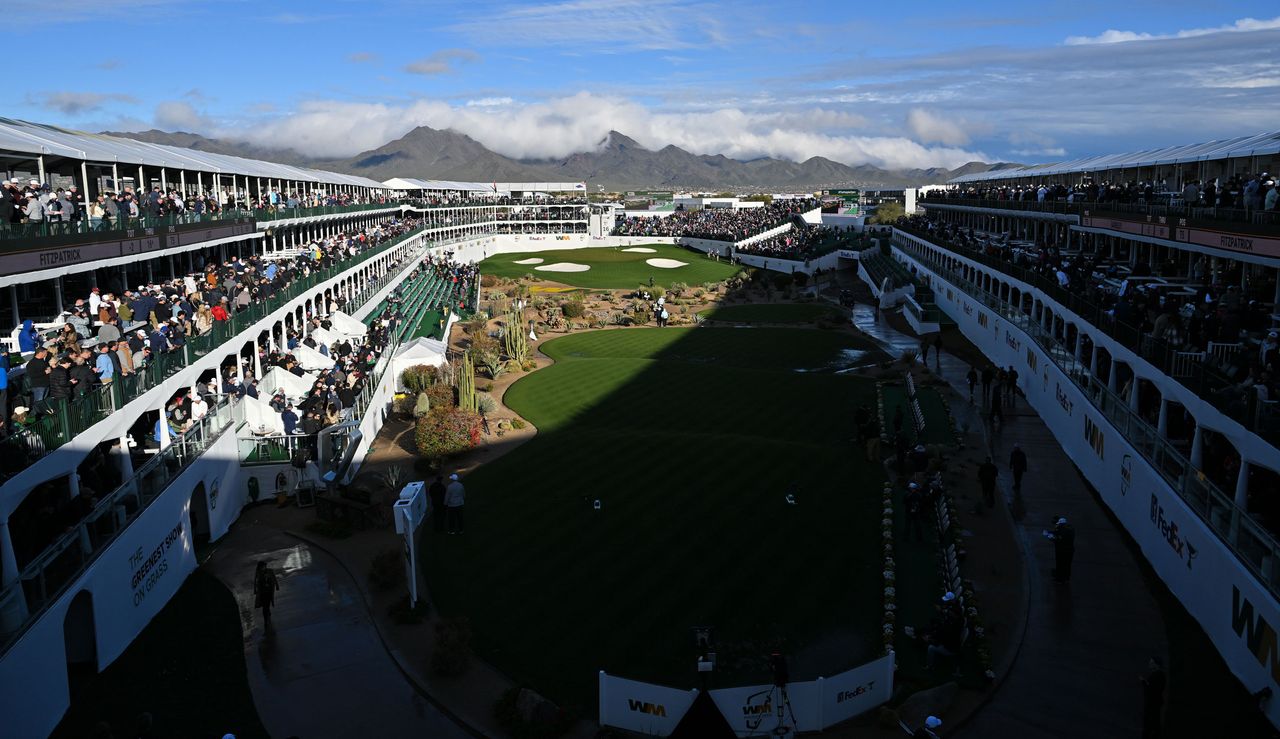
(800, 244)
(1211, 307)
(34, 203)
(716, 224)
(106, 337)
(1254, 192)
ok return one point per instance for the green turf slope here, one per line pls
(613, 268)
(690, 438)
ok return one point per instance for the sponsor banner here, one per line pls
(1244, 243)
(1141, 228)
(848, 254)
(642, 707)
(761, 710)
(855, 692)
(134, 242)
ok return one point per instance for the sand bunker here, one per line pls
(563, 267)
(663, 263)
(642, 250)
(531, 260)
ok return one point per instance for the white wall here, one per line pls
(33, 672)
(1211, 584)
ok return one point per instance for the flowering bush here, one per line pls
(447, 431)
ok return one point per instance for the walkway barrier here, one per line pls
(756, 710)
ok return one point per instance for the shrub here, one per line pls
(452, 654)
(419, 377)
(622, 319)
(440, 395)
(518, 424)
(422, 405)
(403, 615)
(387, 569)
(507, 712)
(528, 365)
(699, 292)
(486, 404)
(488, 280)
(782, 280)
(573, 309)
(678, 288)
(446, 432)
(801, 279)
(642, 317)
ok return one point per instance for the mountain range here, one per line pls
(617, 163)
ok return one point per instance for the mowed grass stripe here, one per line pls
(612, 268)
(691, 458)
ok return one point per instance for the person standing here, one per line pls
(972, 377)
(38, 371)
(1064, 549)
(265, 586)
(1153, 684)
(1011, 384)
(988, 374)
(987, 473)
(914, 500)
(455, 497)
(937, 350)
(995, 414)
(436, 494)
(924, 352)
(1018, 465)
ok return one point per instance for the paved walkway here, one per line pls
(321, 670)
(1085, 643)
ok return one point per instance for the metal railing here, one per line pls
(59, 420)
(1252, 544)
(46, 577)
(1215, 217)
(1204, 379)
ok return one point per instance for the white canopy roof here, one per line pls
(281, 380)
(1262, 144)
(260, 418)
(346, 325)
(36, 139)
(421, 350)
(310, 359)
(326, 337)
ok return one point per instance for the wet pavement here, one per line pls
(1086, 642)
(320, 670)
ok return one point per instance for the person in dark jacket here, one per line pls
(82, 376)
(60, 380)
(436, 493)
(1018, 465)
(987, 472)
(1063, 537)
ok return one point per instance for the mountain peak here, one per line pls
(616, 141)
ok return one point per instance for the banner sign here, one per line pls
(855, 692)
(755, 710)
(126, 243)
(410, 511)
(642, 707)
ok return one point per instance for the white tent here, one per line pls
(281, 380)
(419, 351)
(310, 359)
(346, 325)
(326, 337)
(260, 419)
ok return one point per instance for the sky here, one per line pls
(894, 85)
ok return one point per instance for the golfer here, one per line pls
(455, 496)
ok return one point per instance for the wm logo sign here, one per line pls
(653, 709)
(1258, 635)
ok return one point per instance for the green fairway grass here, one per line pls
(937, 426)
(771, 312)
(613, 268)
(690, 439)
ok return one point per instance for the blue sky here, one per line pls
(937, 85)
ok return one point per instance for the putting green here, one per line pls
(690, 438)
(613, 268)
(773, 312)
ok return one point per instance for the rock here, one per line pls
(534, 709)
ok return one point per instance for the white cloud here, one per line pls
(609, 25)
(490, 102)
(441, 61)
(175, 115)
(76, 103)
(930, 127)
(561, 126)
(362, 57)
(1054, 151)
(1112, 36)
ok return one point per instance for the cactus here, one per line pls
(467, 383)
(423, 405)
(515, 341)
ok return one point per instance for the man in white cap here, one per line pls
(945, 633)
(1063, 537)
(1267, 352)
(455, 497)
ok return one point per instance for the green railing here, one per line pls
(282, 212)
(1252, 544)
(59, 420)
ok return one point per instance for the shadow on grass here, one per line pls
(691, 440)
